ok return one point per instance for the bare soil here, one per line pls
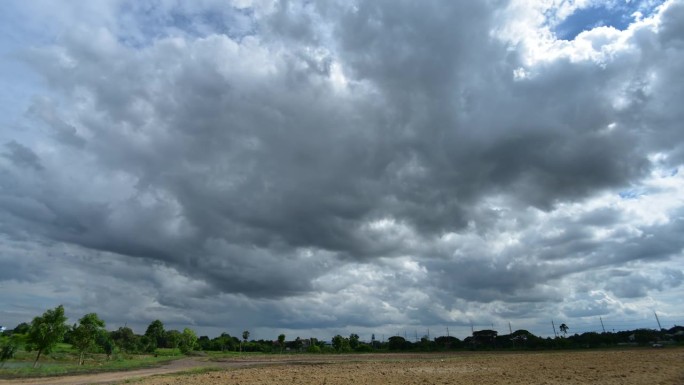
(643, 366)
(639, 366)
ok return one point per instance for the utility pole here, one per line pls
(659, 327)
(554, 329)
(602, 327)
(448, 331)
(510, 329)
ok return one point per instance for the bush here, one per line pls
(313, 349)
(7, 351)
(363, 348)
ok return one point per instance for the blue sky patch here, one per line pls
(630, 194)
(617, 15)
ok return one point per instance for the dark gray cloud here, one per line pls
(21, 156)
(330, 165)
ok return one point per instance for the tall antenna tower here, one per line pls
(554, 329)
(602, 327)
(656, 315)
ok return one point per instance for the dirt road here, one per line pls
(176, 366)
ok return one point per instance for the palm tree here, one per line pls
(564, 329)
(281, 342)
(245, 336)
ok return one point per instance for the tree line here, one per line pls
(89, 335)
(524, 340)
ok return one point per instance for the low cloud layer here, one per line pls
(331, 167)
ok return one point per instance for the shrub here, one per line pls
(363, 348)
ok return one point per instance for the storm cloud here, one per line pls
(333, 166)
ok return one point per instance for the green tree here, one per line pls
(340, 344)
(46, 331)
(126, 340)
(188, 339)
(353, 341)
(155, 336)
(173, 339)
(281, 342)
(22, 328)
(85, 334)
(448, 342)
(397, 343)
(298, 344)
(226, 342)
(313, 346)
(104, 340)
(8, 348)
(564, 329)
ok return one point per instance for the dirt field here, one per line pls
(645, 366)
(642, 366)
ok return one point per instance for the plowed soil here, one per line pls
(643, 366)
(624, 367)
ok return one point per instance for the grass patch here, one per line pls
(56, 367)
(168, 352)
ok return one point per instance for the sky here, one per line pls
(333, 167)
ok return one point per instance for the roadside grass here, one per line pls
(64, 361)
(168, 352)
